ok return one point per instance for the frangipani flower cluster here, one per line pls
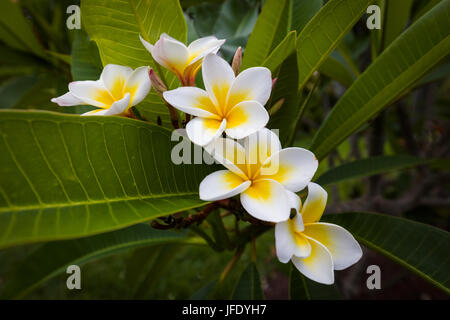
(265, 176)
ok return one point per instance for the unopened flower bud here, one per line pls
(237, 61)
(157, 83)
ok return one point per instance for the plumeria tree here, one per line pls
(240, 86)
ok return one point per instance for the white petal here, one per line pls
(344, 249)
(120, 106)
(251, 84)
(315, 203)
(259, 146)
(318, 266)
(296, 167)
(221, 185)
(294, 201)
(171, 53)
(284, 241)
(289, 241)
(96, 112)
(138, 85)
(93, 93)
(193, 101)
(217, 77)
(114, 77)
(147, 45)
(67, 99)
(230, 154)
(203, 46)
(266, 200)
(202, 131)
(246, 118)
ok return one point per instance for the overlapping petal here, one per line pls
(222, 184)
(93, 93)
(343, 247)
(202, 131)
(230, 154)
(266, 200)
(246, 118)
(192, 100)
(218, 77)
(251, 84)
(138, 85)
(296, 168)
(315, 203)
(318, 266)
(114, 78)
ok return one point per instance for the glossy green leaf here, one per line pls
(53, 258)
(405, 61)
(336, 70)
(249, 285)
(302, 12)
(281, 52)
(285, 119)
(419, 247)
(232, 20)
(324, 32)
(302, 288)
(64, 176)
(368, 167)
(270, 29)
(115, 25)
(395, 17)
(86, 63)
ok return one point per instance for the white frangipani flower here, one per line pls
(315, 248)
(118, 89)
(184, 61)
(264, 175)
(231, 104)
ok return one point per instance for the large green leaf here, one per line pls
(335, 69)
(395, 17)
(323, 33)
(115, 25)
(302, 288)
(232, 20)
(302, 12)
(285, 88)
(86, 63)
(368, 167)
(249, 285)
(270, 29)
(53, 258)
(281, 52)
(407, 59)
(65, 176)
(419, 247)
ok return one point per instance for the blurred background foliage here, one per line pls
(40, 56)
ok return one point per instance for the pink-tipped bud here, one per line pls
(274, 80)
(157, 83)
(237, 61)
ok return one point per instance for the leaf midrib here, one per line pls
(92, 202)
